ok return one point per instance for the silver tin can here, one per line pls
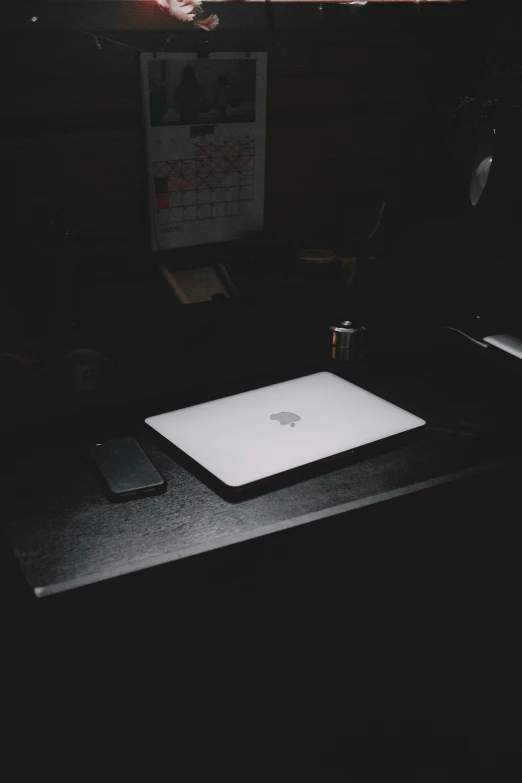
(348, 342)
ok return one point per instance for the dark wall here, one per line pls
(350, 98)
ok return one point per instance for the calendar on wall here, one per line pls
(205, 122)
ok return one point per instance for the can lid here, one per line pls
(347, 327)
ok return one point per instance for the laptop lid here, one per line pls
(257, 434)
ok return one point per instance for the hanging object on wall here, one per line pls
(190, 11)
(205, 127)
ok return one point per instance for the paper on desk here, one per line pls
(205, 125)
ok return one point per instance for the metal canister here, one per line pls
(347, 342)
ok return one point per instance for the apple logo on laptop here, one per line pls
(285, 418)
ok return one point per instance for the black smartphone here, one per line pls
(126, 470)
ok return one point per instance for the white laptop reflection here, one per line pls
(258, 434)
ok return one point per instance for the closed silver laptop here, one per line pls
(261, 433)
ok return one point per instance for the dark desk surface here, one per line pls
(65, 534)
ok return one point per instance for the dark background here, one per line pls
(360, 109)
(363, 106)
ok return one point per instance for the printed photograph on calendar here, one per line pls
(205, 124)
(201, 91)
